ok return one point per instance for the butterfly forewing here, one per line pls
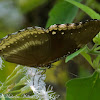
(28, 50)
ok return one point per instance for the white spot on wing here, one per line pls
(62, 27)
(80, 22)
(53, 27)
(71, 33)
(72, 25)
(22, 30)
(62, 33)
(5, 37)
(53, 33)
(14, 33)
(29, 28)
(37, 27)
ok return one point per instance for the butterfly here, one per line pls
(38, 47)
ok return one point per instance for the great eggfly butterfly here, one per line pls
(36, 46)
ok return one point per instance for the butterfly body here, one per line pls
(36, 46)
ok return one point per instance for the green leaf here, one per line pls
(62, 12)
(74, 54)
(86, 9)
(96, 63)
(4, 97)
(13, 79)
(6, 70)
(96, 39)
(84, 88)
(87, 57)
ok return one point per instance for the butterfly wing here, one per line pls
(28, 47)
(39, 47)
(67, 38)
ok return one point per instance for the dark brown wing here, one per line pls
(39, 47)
(67, 38)
(28, 47)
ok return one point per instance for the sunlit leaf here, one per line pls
(86, 9)
(84, 88)
(87, 57)
(74, 54)
(62, 12)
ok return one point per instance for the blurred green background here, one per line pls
(19, 14)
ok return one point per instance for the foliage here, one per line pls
(60, 14)
(28, 83)
(86, 88)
